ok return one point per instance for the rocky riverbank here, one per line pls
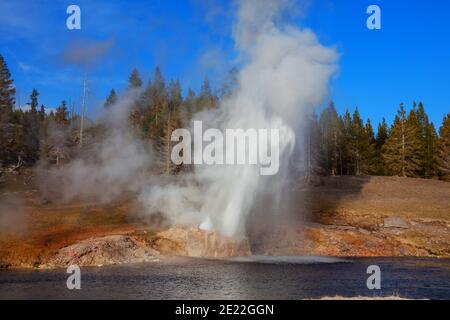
(394, 236)
(116, 249)
(418, 238)
(139, 247)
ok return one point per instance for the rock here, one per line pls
(116, 249)
(395, 222)
(320, 240)
(194, 242)
(4, 265)
(364, 231)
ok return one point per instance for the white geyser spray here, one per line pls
(285, 76)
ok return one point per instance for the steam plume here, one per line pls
(111, 166)
(13, 216)
(285, 76)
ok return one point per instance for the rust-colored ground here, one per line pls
(52, 227)
(49, 225)
(341, 216)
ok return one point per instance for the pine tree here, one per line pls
(313, 161)
(135, 80)
(428, 141)
(42, 113)
(15, 148)
(400, 151)
(329, 127)
(171, 116)
(360, 145)
(175, 98)
(443, 153)
(189, 108)
(157, 102)
(9, 129)
(370, 164)
(357, 143)
(136, 116)
(417, 141)
(34, 101)
(231, 83)
(205, 90)
(422, 118)
(61, 115)
(206, 100)
(342, 146)
(32, 135)
(7, 92)
(346, 142)
(43, 129)
(430, 162)
(380, 140)
(111, 99)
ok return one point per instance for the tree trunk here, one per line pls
(403, 152)
(167, 151)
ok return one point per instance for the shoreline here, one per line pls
(334, 217)
(162, 259)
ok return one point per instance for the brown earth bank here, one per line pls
(360, 216)
(336, 216)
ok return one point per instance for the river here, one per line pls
(242, 278)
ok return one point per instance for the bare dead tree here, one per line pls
(58, 155)
(83, 106)
(18, 165)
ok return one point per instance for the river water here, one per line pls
(242, 278)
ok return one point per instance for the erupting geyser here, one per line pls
(285, 75)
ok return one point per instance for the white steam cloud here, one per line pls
(109, 167)
(13, 216)
(286, 75)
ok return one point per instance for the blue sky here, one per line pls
(409, 59)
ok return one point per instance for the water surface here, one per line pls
(241, 278)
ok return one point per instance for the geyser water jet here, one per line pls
(285, 76)
(241, 146)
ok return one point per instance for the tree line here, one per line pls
(24, 135)
(160, 109)
(335, 144)
(410, 147)
(27, 136)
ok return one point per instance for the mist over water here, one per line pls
(285, 76)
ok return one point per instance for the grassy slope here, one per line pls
(389, 196)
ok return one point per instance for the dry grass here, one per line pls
(381, 196)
